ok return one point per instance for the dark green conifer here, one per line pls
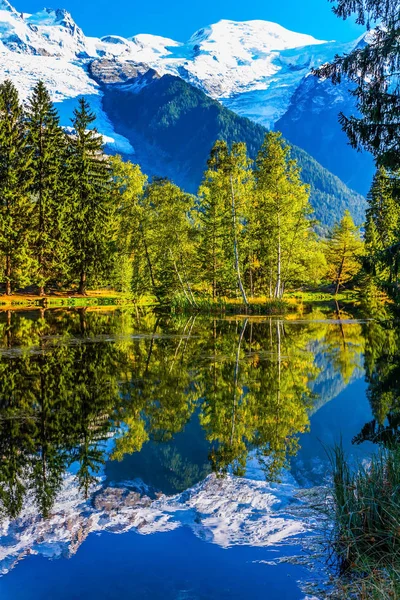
(89, 187)
(47, 143)
(15, 184)
(382, 227)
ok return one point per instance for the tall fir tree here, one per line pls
(90, 191)
(47, 144)
(15, 183)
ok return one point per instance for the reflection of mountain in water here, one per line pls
(226, 511)
(329, 383)
(164, 400)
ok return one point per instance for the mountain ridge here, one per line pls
(254, 68)
(177, 123)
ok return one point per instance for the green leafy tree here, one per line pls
(128, 194)
(223, 201)
(89, 191)
(15, 182)
(382, 227)
(167, 238)
(344, 249)
(47, 143)
(281, 234)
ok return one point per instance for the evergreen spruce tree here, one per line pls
(89, 190)
(15, 184)
(47, 143)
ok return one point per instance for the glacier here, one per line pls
(253, 67)
(228, 511)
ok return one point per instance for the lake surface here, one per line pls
(147, 456)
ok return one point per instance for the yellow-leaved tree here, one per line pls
(343, 251)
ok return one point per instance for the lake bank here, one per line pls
(262, 306)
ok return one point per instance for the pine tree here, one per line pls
(344, 249)
(280, 230)
(47, 143)
(15, 183)
(373, 67)
(89, 189)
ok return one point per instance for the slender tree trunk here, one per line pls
(270, 280)
(83, 320)
(180, 279)
(8, 330)
(339, 275)
(41, 290)
(278, 273)
(8, 275)
(236, 380)
(150, 352)
(82, 284)
(153, 283)
(278, 390)
(251, 283)
(235, 247)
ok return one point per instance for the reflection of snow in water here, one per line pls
(226, 511)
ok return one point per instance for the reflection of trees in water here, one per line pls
(71, 380)
(382, 366)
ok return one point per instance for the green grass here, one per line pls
(366, 532)
(320, 296)
(205, 305)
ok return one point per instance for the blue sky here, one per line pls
(178, 19)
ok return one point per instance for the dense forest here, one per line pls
(73, 218)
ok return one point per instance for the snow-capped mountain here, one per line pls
(228, 511)
(254, 68)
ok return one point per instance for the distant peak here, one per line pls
(60, 15)
(5, 5)
(266, 30)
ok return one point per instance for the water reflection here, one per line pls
(382, 366)
(82, 388)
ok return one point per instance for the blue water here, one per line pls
(180, 433)
(168, 566)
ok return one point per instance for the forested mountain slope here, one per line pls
(173, 125)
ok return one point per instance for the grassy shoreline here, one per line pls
(95, 298)
(257, 306)
(366, 525)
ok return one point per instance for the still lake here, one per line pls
(158, 457)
